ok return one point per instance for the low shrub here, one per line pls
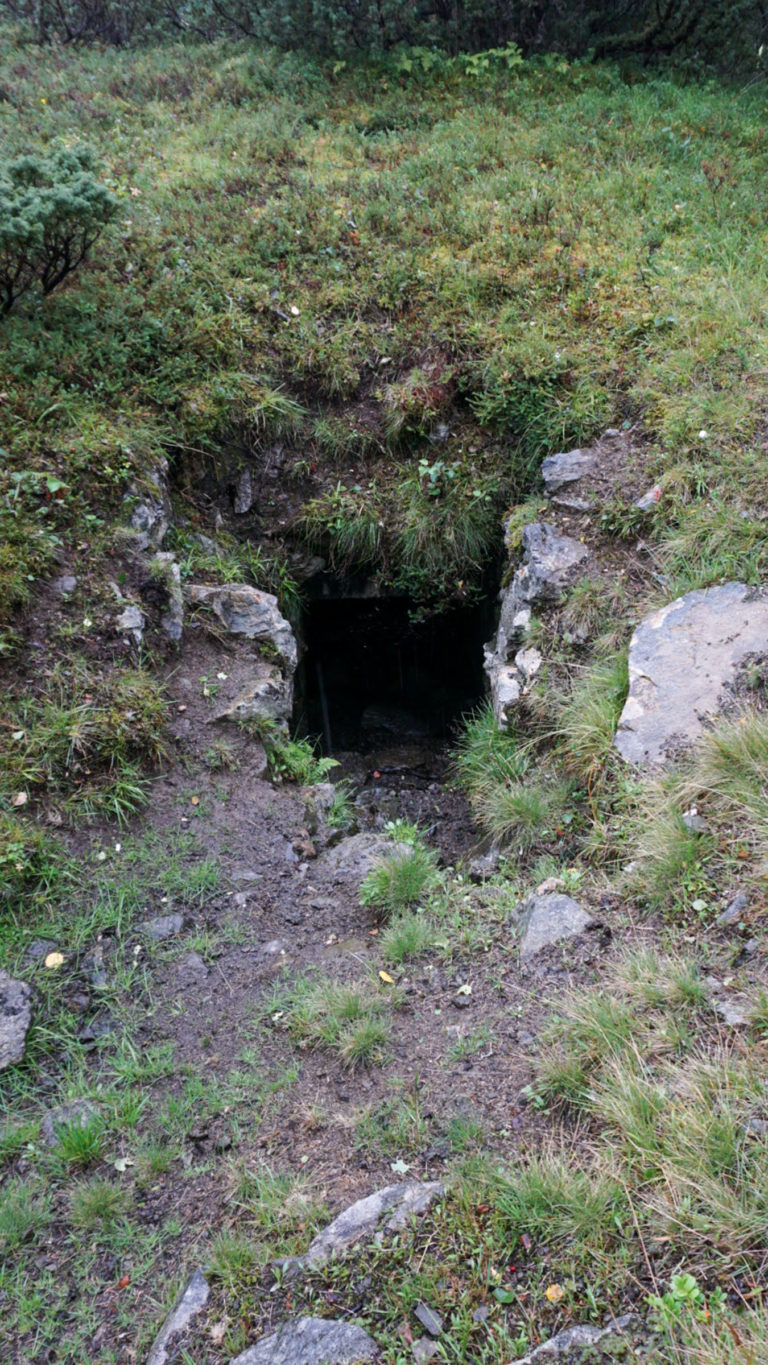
(52, 209)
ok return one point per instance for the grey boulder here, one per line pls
(392, 1207)
(131, 621)
(65, 585)
(549, 566)
(190, 1302)
(682, 661)
(548, 919)
(350, 861)
(244, 610)
(15, 1018)
(149, 519)
(311, 1341)
(506, 687)
(269, 697)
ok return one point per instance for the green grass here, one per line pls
(545, 324)
(408, 934)
(352, 1020)
(84, 741)
(401, 880)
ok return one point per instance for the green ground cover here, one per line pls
(420, 278)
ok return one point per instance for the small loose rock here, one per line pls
(15, 1019)
(165, 926)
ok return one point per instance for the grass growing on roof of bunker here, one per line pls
(418, 281)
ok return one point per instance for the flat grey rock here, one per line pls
(732, 1014)
(566, 469)
(424, 1349)
(15, 1018)
(484, 865)
(165, 926)
(244, 610)
(73, 1112)
(429, 1319)
(190, 1302)
(649, 499)
(570, 1343)
(682, 660)
(39, 949)
(392, 1207)
(311, 1341)
(549, 918)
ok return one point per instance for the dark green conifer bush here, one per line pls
(52, 209)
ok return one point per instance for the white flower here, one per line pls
(702, 435)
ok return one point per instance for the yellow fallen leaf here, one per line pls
(384, 976)
(54, 960)
(554, 1293)
(20, 799)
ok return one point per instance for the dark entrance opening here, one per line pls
(372, 675)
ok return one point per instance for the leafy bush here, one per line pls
(52, 209)
(714, 30)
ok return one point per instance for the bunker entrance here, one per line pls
(374, 677)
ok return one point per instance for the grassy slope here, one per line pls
(534, 255)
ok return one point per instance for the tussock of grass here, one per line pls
(407, 935)
(24, 1211)
(674, 1115)
(351, 1020)
(513, 801)
(98, 1206)
(401, 880)
(588, 717)
(724, 780)
(551, 1197)
(277, 1206)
